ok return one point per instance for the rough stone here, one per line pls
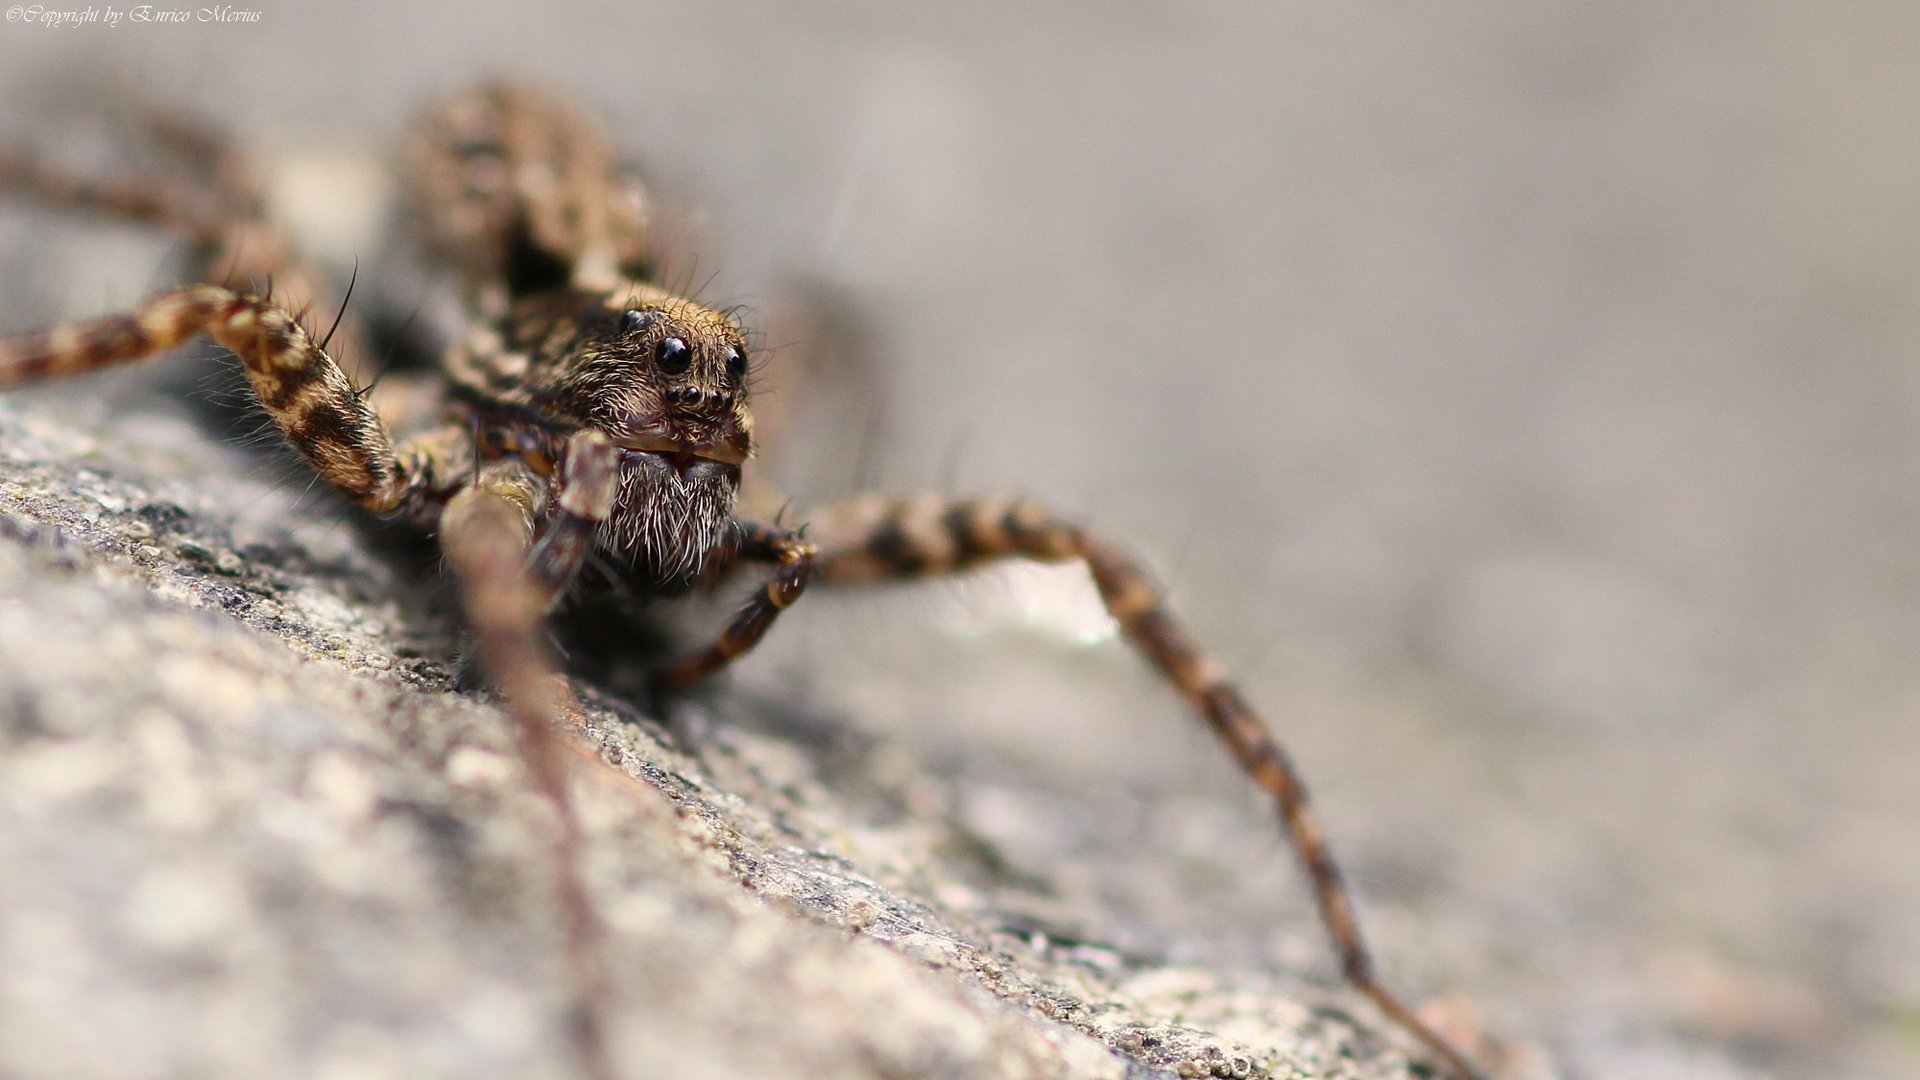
(248, 828)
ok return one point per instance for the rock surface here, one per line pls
(247, 829)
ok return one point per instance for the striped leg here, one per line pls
(206, 151)
(184, 209)
(217, 207)
(306, 393)
(507, 588)
(761, 543)
(880, 540)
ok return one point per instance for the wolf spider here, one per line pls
(586, 415)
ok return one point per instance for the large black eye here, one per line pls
(636, 320)
(674, 356)
(736, 365)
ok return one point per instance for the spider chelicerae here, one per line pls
(583, 416)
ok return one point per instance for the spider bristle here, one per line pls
(352, 279)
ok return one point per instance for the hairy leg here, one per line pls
(508, 577)
(186, 209)
(507, 588)
(212, 200)
(875, 540)
(316, 406)
(205, 152)
(794, 559)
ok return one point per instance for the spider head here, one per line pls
(687, 400)
(667, 381)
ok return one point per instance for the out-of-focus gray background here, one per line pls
(1520, 398)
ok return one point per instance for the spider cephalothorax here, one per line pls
(664, 379)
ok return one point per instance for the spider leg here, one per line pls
(202, 182)
(874, 540)
(218, 210)
(183, 208)
(794, 557)
(507, 587)
(205, 151)
(508, 583)
(306, 393)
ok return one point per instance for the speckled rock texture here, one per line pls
(248, 829)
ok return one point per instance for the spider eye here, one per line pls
(674, 356)
(636, 320)
(736, 365)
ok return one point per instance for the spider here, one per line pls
(585, 416)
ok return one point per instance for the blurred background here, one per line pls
(1519, 399)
